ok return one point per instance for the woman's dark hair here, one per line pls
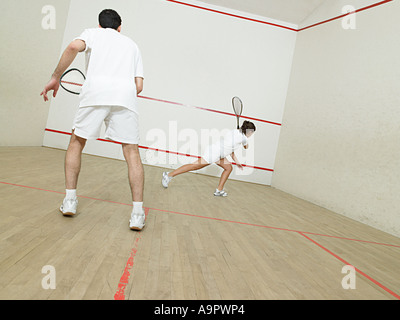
(109, 18)
(247, 125)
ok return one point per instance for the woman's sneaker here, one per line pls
(165, 179)
(220, 193)
(68, 207)
(137, 221)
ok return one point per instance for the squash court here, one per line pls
(259, 244)
(314, 213)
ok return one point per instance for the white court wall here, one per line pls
(29, 54)
(331, 9)
(196, 58)
(339, 143)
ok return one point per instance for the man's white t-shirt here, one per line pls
(112, 63)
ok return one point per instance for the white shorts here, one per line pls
(122, 124)
(213, 153)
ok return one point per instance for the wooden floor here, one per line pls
(258, 243)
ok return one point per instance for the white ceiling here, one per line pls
(292, 11)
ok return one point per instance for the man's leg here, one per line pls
(73, 161)
(135, 170)
(136, 182)
(72, 169)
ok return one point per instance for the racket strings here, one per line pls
(237, 108)
(72, 81)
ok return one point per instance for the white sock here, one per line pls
(137, 206)
(70, 193)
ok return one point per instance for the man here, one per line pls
(114, 77)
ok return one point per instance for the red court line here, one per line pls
(346, 14)
(28, 187)
(232, 15)
(199, 108)
(124, 280)
(237, 16)
(358, 270)
(350, 239)
(125, 276)
(274, 228)
(59, 192)
(210, 110)
(160, 150)
(210, 218)
(277, 25)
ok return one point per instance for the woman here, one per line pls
(217, 153)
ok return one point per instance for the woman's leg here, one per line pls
(226, 165)
(199, 164)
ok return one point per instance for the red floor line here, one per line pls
(28, 187)
(350, 239)
(358, 270)
(275, 228)
(124, 280)
(59, 192)
(210, 218)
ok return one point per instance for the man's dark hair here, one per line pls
(109, 18)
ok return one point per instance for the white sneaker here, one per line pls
(68, 207)
(165, 179)
(137, 221)
(220, 193)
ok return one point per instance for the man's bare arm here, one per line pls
(66, 59)
(139, 84)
